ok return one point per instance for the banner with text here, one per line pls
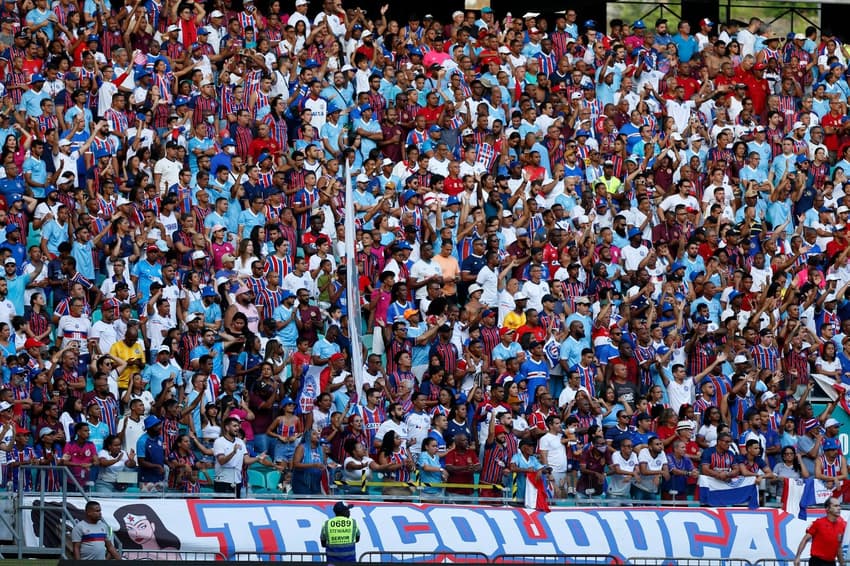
(180, 527)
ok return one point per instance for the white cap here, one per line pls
(387, 162)
(740, 359)
(830, 298)
(799, 36)
(798, 124)
(164, 348)
(467, 132)
(192, 316)
(172, 27)
(474, 288)
(841, 209)
(301, 3)
(518, 296)
(503, 49)
(366, 33)
(831, 422)
(198, 254)
(64, 143)
(362, 178)
(506, 213)
(676, 136)
(695, 138)
(833, 277)
(216, 14)
(456, 13)
(767, 395)
(347, 67)
(528, 15)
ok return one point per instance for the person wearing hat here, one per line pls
(150, 454)
(340, 535)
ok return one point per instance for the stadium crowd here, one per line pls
(613, 255)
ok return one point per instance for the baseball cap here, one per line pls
(198, 254)
(33, 343)
(831, 422)
(340, 508)
(706, 23)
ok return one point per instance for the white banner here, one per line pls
(183, 526)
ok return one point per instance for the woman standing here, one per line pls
(308, 465)
(286, 430)
(395, 460)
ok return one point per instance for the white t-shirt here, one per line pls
(489, 279)
(654, 464)
(105, 333)
(422, 270)
(535, 292)
(632, 256)
(417, 426)
(556, 455)
(619, 485)
(134, 432)
(232, 469)
(681, 393)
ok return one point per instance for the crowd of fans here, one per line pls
(613, 255)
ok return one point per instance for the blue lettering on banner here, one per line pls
(250, 526)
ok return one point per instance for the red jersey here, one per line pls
(431, 114)
(453, 186)
(826, 537)
(832, 141)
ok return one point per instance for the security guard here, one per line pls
(339, 536)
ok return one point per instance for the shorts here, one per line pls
(284, 451)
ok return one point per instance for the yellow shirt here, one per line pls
(124, 352)
(514, 320)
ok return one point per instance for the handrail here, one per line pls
(277, 557)
(547, 559)
(190, 555)
(388, 556)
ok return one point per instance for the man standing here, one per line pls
(90, 536)
(230, 457)
(340, 535)
(826, 535)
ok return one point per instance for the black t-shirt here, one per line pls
(626, 390)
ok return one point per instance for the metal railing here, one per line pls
(277, 557)
(688, 562)
(195, 556)
(548, 559)
(51, 521)
(384, 557)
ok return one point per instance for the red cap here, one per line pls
(21, 430)
(33, 343)
(505, 330)
(337, 356)
(759, 66)
(499, 430)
